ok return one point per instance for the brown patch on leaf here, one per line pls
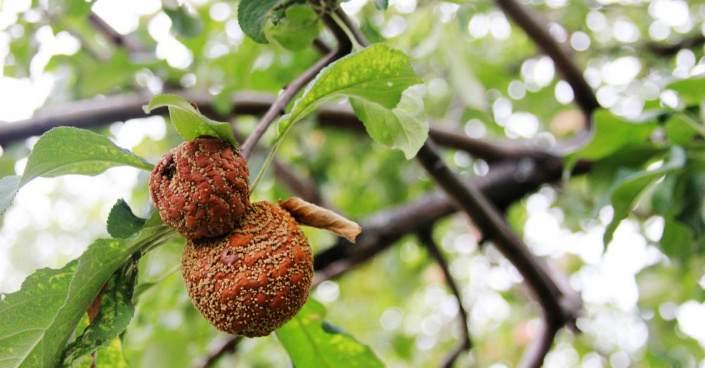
(95, 305)
(311, 215)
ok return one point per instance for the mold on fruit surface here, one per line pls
(253, 280)
(201, 187)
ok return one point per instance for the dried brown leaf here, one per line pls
(311, 215)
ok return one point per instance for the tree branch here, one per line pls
(97, 112)
(487, 217)
(426, 238)
(486, 149)
(557, 310)
(114, 36)
(223, 345)
(342, 117)
(535, 29)
(277, 108)
(505, 183)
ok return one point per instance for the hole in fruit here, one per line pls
(169, 170)
(227, 256)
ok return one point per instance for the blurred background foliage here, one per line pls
(643, 294)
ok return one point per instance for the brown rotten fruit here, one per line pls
(201, 187)
(256, 278)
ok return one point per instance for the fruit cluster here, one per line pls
(247, 267)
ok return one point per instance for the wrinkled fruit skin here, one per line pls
(256, 278)
(201, 188)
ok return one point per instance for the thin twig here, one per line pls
(219, 347)
(302, 187)
(277, 108)
(426, 238)
(321, 46)
(540, 346)
(566, 66)
(299, 186)
(355, 30)
(114, 36)
(672, 49)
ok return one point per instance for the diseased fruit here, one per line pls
(201, 187)
(253, 280)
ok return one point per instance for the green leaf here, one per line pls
(186, 24)
(689, 196)
(252, 16)
(378, 73)
(67, 150)
(114, 314)
(667, 199)
(9, 186)
(404, 127)
(679, 130)
(312, 342)
(381, 4)
(122, 223)
(71, 8)
(677, 240)
(296, 31)
(691, 91)
(610, 134)
(85, 362)
(26, 315)
(37, 321)
(628, 190)
(112, 356)
(375, 79)
(189, 122)
(153, 220)
(612, 169)
(468, 87)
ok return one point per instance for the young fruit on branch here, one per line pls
(201, 187)
(256, 278)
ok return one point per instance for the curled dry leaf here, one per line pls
(311, 215)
